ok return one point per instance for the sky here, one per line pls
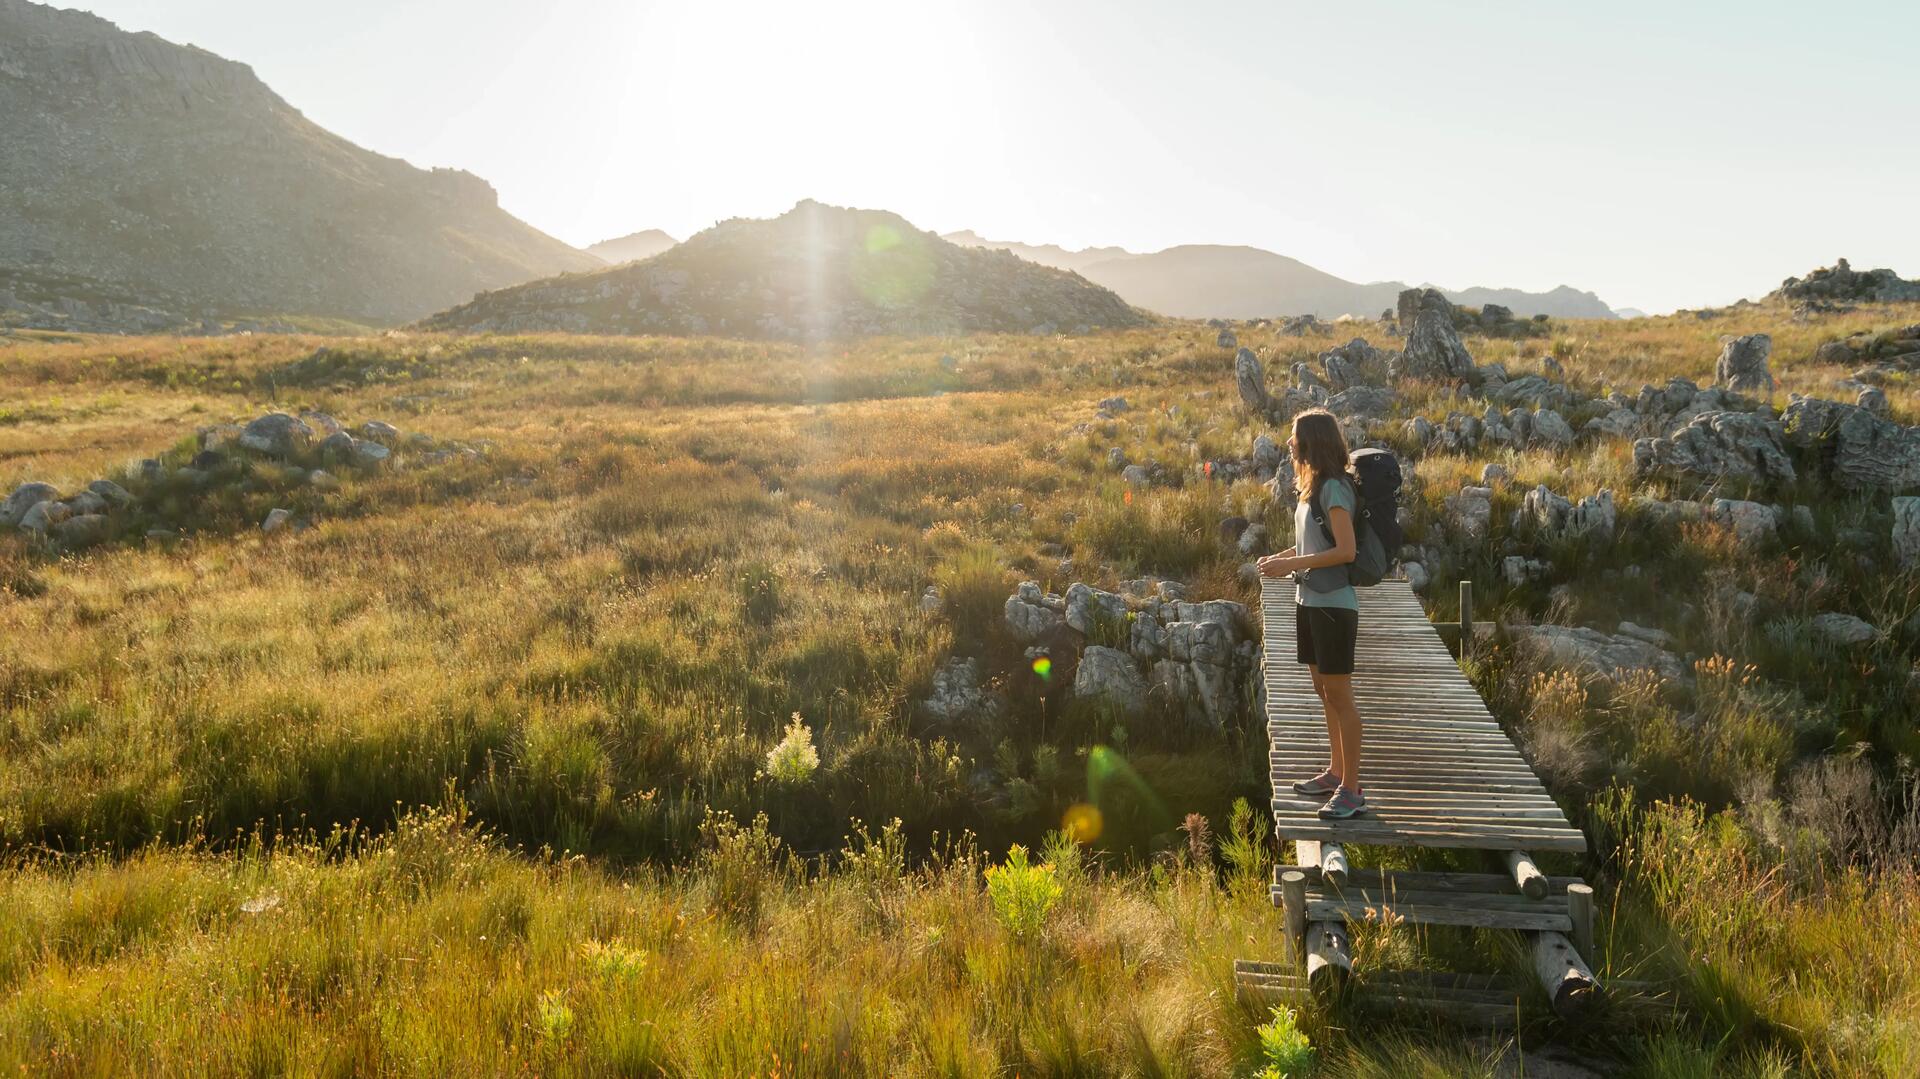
(1663, 155)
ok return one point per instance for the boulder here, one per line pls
(276, 520)
(1090, 609)
(23, 498)
(1751, 522)
(1253, 540)
(1433, 348)
(1556, 516)
(1226, 340)
(1838, 352)
(1107, 677)
(1267, 456)
(322, 422)
(1148, 638)
(1136, 475)
(1029, 617)
(42, 516)
(380, 431)
(1493, 475)
(1472, 511)
(1874, 400)
(113, 494)
(1361, 401)
(87, 504)
(1549, 426)
(957, 702)
(1352, 364)
(368, 454)
(1659, 638)
(1865, 451)
(1519, 570)
(1618, 423)
(1844, 629)
(1906, 530)
(1417, 576)
(1252, 381)
(275, 434)
(80, 530)
(1742, 367)
(1716, 446)
(1113, 405)
(1590, 650)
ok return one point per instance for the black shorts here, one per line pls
(1324, 637)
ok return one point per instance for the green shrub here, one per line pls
(1284, 1047)
(1022, 894)
(794, 760)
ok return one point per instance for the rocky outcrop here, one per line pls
(1433, 351)
(1863, 450)
(1742, 366)
(1592, 651)
(1906, 531)
(1251, 379)
(1717, 446)
(1553, 515)
(1842, 283)
(958, 701)
(1751, 522)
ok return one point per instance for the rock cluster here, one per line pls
(1132, 653)
(1591, 651)
(1742, 366)
(1842, 283)
(1717, 446)
(1863, 449)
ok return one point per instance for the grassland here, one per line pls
(463, 778)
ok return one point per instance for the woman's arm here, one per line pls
(1340, 523)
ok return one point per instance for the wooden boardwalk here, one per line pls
(1438, 772)
(1436, 767)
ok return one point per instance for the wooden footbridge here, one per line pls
(1438, 772)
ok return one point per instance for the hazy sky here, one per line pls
(1661, 154)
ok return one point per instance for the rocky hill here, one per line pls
(1841, 283)
(1239, 282)
(632, 247)
(150, 166)
(815, 272)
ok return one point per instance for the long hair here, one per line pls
(1319, 450)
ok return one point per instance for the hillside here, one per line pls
(815, 272)
(146, 165)
(1240, 282)
(632, 247)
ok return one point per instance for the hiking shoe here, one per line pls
(1343, 804)
(1324, 783)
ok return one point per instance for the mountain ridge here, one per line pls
(143, 163)
(1241, 281)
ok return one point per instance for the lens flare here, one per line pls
(1127, 498)
(1082, 822)
(1043, 667)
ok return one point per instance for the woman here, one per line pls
(1326, 612)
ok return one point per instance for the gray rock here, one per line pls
(1556, 516)
(1353, 364)
(275, 434)
(1137, 475)
(1906, 530)
(1844, 629)
(1417, 575)
(1874, 400)
(1201, 642)
(1519, 570)
(1835, 352)
(276, 520)
(1267, 456)
(322, 422)
(1751, 522)
(1549, 426)
(1107, 677)
(380, 431)
(1743, 364)
(219, 435)
(1029, 616)
(1113, 405)
(1148, 639)
(1367, 401)
(1733, 446)
(1253, 541)
(115, 495)
(322, 480)
(23, 498)
(1116, 458)
(1618, 423)
(956, 700)
(1472, 511)
(80, 530)
(1433, 348)
(1586, 649)
(1866, 451)
(369, 455)
(1090, 608)
(931, 602)
(1420, 429)
(87, 504)
(1493, 475)
(1226, 340)
(1252, 381)
(42, 516)
(1659, 638)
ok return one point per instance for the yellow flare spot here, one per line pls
(1043, 667)
(1082, 822)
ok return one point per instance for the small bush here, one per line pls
(794, 760)
(1284, 1047)
(1022, 894)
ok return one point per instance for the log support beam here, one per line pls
(1526, 875)
(1565, 976)
(1329, 958)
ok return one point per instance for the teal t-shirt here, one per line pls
(1307, 539)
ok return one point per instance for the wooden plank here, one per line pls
(1535, 916)
(1424, 880)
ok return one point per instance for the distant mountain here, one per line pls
(148, 166)
(1629, 312)
(633, 247)
(1217, 281)
(815, 272)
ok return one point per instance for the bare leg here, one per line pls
(1343, 725)
(1334, 731)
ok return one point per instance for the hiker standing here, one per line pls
(1326, 610)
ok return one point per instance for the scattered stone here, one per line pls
(379, 431)
(323, 480)
(1252, 381)
(1267, 456)
(1107, 677)
(1090, 609)
(1906, 530)
(1368, 401)
(86, 503)
(1549, 426)
(369, 455)
(1253, 541)
(322, 422)
(1844, 629)
(1742, 366)
(80, 530)
(1590, 650)
(23, 498)
(1113, 406)
(276, 520)
(42, 516)
(1030, 616)
(1472, 511)
(1493, 475)
(1433, 348)
(275, 434)
(1417, 575)
(1226, 340)
(1556, 516)
(1751, 522)
(1137, 475)
(1519, 570)
(1619, 423)
(957, 701)
(1835, 352)
(1874, 400)
(112, 493)
(1659, 638)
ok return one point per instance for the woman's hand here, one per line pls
(1277, 565)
